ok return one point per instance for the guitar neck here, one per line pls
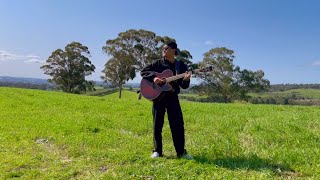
(173, 78)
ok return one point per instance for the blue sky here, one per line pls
(281, 37)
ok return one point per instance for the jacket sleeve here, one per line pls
(148, 72)
(184, 84)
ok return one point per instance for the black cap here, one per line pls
(172, 44)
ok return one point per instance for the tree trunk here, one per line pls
(225, 99)
(120, 91)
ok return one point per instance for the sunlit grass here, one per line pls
(53, 135)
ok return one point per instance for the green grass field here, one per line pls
(53, 135)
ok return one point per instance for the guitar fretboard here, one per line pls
(173, 78)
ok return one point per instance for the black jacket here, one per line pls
(162, 64)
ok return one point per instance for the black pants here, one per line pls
(170, 104)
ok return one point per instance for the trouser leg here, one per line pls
(158, 111)
(176, 125)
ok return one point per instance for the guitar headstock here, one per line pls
(202, 70)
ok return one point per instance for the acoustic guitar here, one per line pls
(152, 91)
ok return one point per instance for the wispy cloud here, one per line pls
(33, 56)
(4, 56)
(208, 42)
(316, 64)
(34, 61)
(9, 56)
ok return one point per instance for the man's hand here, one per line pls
(187, 76)
(159, 81)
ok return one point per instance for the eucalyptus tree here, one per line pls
(250, 81)
(69, 67)
(220, 76)
(124, 58)
(117, 72)
(134, 49)
(185, 55)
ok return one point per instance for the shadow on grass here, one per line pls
(252, 162)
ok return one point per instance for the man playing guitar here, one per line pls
(169, 101)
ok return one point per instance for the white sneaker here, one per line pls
(155, 155)
(186, 156)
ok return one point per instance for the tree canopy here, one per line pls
(116, 73)
(222, 78)
(69, 67)
(134, 49)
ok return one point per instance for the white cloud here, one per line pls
(4, 56)
(34, 61)
(8, 56)
(33, 56)
(209, 43)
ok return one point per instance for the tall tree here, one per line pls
(186, 57)
(250, 81)
(222, 77)
(69, 67)
(117, 72)
(122, 51)
(147, 47)
(136, 49)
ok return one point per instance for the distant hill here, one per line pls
(38, 81)
(23, 80)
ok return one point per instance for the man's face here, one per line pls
(167, 51)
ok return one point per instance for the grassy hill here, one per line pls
(52, 135)
(306, 93)
(309, 97)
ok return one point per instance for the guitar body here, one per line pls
(153, 91)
